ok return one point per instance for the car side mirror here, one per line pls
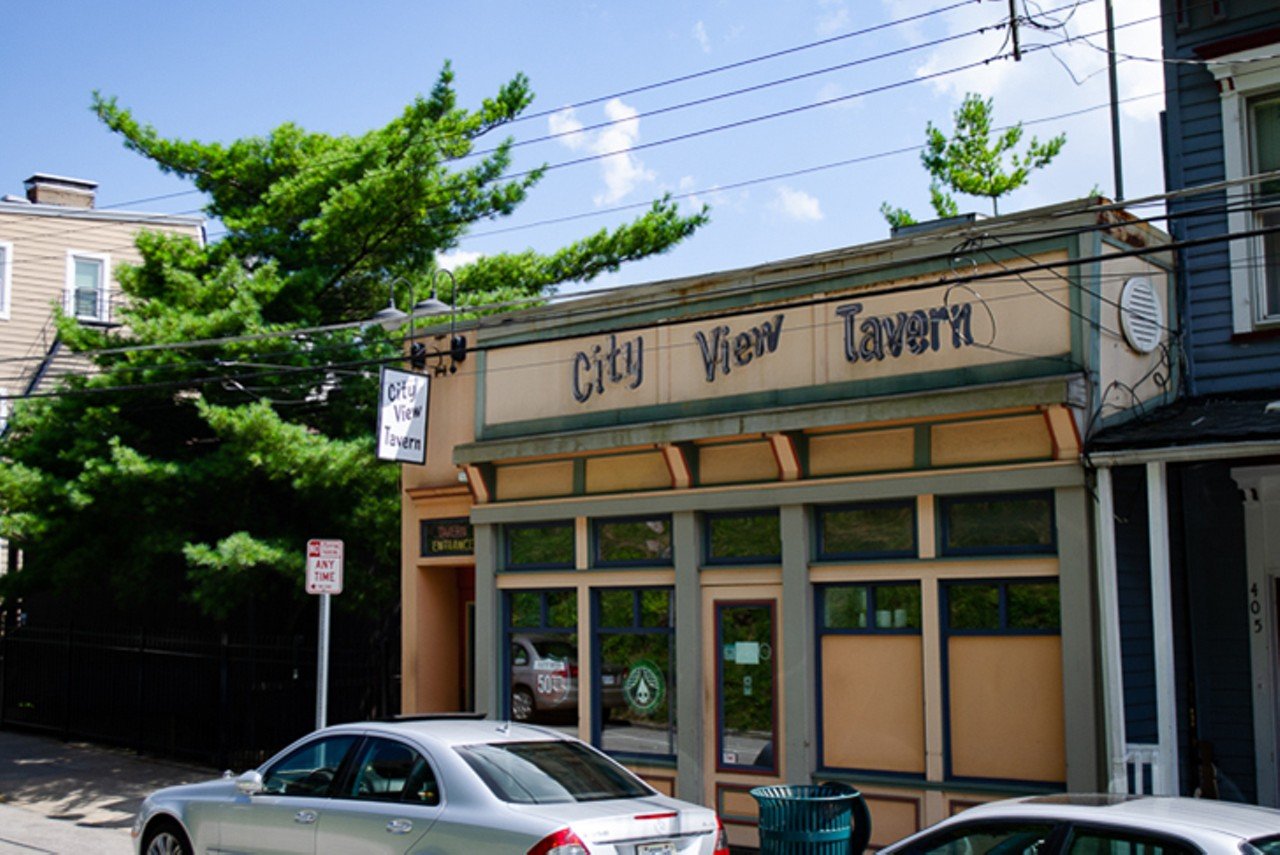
(249, 782)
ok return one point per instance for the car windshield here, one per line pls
(550, 773)
(556, 650)
(1264, 845)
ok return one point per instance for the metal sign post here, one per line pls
(324, 577)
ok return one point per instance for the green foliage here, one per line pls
(973, 163)
(187, 472)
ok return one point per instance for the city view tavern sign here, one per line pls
(822, 341)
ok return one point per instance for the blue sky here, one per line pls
(237, 68)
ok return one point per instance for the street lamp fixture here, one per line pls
(391, 317)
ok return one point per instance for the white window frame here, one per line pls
(1244, 77)
(103, 313)
(6, 279)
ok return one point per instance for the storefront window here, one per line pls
(880, 530)
(1003, 663)
(871, 607)
(542, 657)
(544, 546)
(635, 671)
(986, 525)
(871, 677)
(633, 542)
(753, 537)
(997, 607)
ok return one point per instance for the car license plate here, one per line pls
(664, 848)
(610, 680)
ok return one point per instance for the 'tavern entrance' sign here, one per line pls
(324, 567)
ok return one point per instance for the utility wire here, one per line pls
(824, 299)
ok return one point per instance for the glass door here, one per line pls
(746, 699)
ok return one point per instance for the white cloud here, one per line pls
(457, 258)
(797, 205)
(565, 122)
(1071, 82)
(621, 170)
(700, 36)
(833, 18)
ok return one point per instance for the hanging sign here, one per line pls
(402, 416)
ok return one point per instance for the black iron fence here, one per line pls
(215, 700)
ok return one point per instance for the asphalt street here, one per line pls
(71, 797)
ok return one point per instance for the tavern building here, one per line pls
(820, 519)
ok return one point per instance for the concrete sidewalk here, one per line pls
(60, 796)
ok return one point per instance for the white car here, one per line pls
(451, 786)
(1100, 825)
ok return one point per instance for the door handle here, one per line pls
(305, 817)
(400, 826)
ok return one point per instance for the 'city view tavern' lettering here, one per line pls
(722, 349)
(612, 363)
(876, 336)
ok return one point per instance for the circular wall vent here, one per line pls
(1141, 315)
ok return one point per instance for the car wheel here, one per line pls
(521, 704)
(166, 838)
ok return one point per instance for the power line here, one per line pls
(945, 279)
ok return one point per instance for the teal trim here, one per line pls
(778, 493)
(1083, 319)
(924, 447)
(1027, 369)
(482, 371)
(922, 406)
(955, 786)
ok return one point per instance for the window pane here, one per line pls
(752, 537)
(550, 772)
(542, 657)
(562, 609)
(745, 647)
(1003, 523)
(88, 278)
(540, 546)
(973, 607)
(635, 676)
(655, 608)
(526, 609)
(617, 608)
(1271, 249)
(898, 606)
(1004, 839)
(1034, 606)
(634, 541)
(845, 607)
(1123, 843)
(309, 770)
(867, 531)
(1266, 143)
(385, 772)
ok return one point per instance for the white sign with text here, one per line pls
(324, 567)
(402, 416)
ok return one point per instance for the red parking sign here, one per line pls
(324, 567)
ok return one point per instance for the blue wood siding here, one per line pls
(1133, 581)
(1212, 626)
(1218, 360)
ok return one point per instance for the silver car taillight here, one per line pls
(562, 842)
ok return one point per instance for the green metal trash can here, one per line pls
(812, 819)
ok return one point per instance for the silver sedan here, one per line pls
(439, 786)
(1100, 825)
